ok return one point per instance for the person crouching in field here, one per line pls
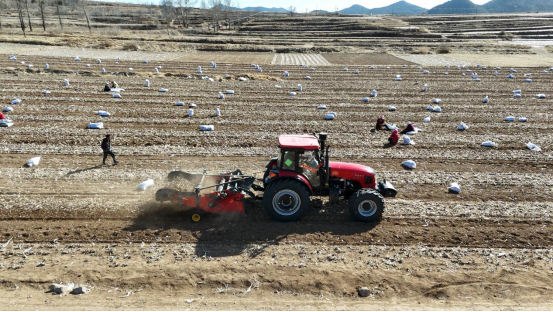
(107, 88)
(106, 147)
(394, 138)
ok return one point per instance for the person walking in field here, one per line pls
(106, 147)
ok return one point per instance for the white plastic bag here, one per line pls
(366, 99)
(147, 83)
(489, 144)
(392, 108)
(533, 147)
(429, 108)
(292, 93)
(462, 127)
(427, 119)
(230, 91)
(192, 105)
(437, 109)
(523, 119)
(179, 103)
(7, 109)
(407, 140)
(190, 112)
(16, 101)
(454, 188)
(146, 184)
(321, 107)
(437, 101)
(207, 127)
(374, 93)
(163, 90)
(540, 96)
(117, 95)
(96, 125)
(217, 112)
(409, 164)
(103, 113)
(509, 118)
(33, 162)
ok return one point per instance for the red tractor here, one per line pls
(302, 170)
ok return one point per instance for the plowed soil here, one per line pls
(71, 220)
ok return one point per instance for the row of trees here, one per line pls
(24, 8)
(217, 11)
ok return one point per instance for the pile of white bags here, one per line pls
(533, 147)
(96, 125)
(207, 127)
(398, 78)
(146, 184)
(409, 164)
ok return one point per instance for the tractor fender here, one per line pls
(292, 175)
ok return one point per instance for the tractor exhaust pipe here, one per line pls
(322, 140)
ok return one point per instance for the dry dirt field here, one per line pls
(70, 220)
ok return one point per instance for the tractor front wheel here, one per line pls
(367, 205)
(286, 200)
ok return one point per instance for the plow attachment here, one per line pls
(226, 195)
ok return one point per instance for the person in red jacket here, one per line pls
(394, 137)
(2, 116)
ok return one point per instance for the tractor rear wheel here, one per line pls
(366, 205)
(286, 200)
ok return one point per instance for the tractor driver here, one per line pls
(310, 166)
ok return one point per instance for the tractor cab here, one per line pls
(300, 157)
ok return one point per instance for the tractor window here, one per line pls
(289, 160)
(309, 162)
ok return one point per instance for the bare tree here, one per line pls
(185, 6)
(292, 10)
(26, 2)
(168, 10)
(228, 9)
(19, 4)
(41, 5)
(215, 7)
(59, 3)
(83, 5)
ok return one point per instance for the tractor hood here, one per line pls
(350, 171)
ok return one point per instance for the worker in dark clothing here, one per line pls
(410, 128)
(107, 88)
(106, 147)
(380, 122)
